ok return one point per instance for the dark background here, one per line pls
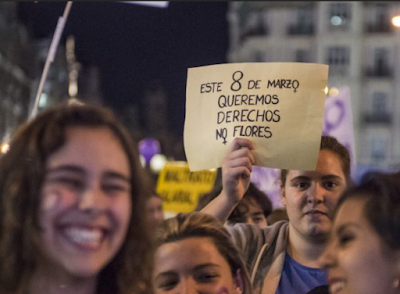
(134, 46)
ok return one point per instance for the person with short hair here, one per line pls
(363, 256)
(72, 207)
(195, 254)
(254, 208)
(283, 258)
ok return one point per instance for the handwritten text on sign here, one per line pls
(277, 105)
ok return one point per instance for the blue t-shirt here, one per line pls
(299, 279)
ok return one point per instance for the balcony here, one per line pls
(300, 29)
(255, 32)
(381, 27)
(339, 70)
(378, 118)
(379, 72)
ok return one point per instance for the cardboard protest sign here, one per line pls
(180, 189)
(279, 106)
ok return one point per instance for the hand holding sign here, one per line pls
(236, 168)
(278, 106)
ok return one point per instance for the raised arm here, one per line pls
(236, 168)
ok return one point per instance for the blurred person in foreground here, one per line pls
(283, 258)
(253, 208)
(72, 207)
(364, 252)
(195, 254)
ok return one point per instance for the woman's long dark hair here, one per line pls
(22, 172)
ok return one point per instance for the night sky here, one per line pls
(134, 45)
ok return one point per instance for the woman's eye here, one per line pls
(258, 220)
(302, 185)
(330, 185)
(345, 239)
(113, 188)
(167, 284)
(71, 183)
(206, 277)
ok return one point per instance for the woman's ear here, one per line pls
(238, 280)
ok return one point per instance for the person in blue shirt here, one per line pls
(283, 258)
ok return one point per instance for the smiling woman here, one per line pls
(364, 254)
(72, 207)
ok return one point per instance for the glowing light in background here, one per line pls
(43, 100)
(4, 147)
(159, 4)
(157, 162)
(333, 91)
(149, 147)
(337, 20)
(396, 21)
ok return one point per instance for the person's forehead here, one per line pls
(91, 148)
(189, 248)
(351, 210)
(328, 164)
(253, 204)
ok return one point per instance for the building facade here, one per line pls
(17, 70)
(358, 42)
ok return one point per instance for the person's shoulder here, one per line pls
(268, 233)
(275, 230)
(279, 225)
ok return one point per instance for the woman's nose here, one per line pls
(92, 199)
(188, 286)
(316, 194)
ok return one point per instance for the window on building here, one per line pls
(259, 56)
(338, 58)
(381, 60)
(301, 55)
(382, 17)
(255, 24)
(339, 14)
(379, 18)
(379, 111)
(379, 103)
(378, 149)
(303, 21)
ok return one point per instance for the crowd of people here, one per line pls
(77, 215)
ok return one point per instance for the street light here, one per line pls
(396, 21)
(4, 147)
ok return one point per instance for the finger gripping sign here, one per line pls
(279, 106)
